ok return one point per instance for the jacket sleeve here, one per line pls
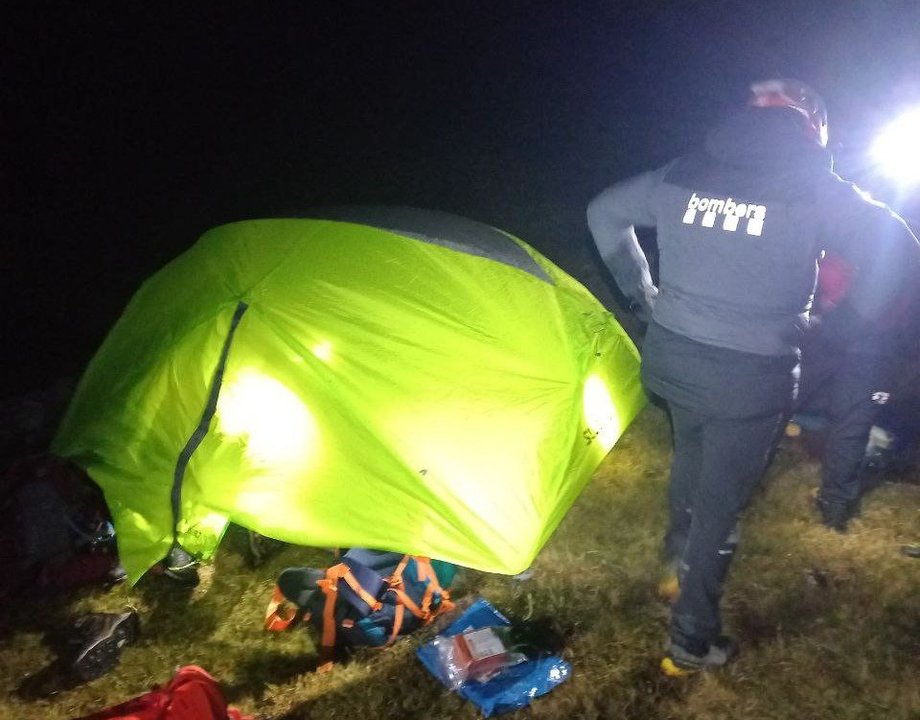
(612, 217)
(882, 250)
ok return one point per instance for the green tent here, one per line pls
(381, 377)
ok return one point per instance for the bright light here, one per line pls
(600, 412)
(897, 149)
(323, 351)
(214, 522)
(275, 424)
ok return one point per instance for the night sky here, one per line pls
(130, 128)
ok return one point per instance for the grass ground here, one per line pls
(830, 624)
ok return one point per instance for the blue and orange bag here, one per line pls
(368, 598)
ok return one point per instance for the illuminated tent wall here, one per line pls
(403, 380)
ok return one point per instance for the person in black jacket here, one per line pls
(850, 378)
(740, 226)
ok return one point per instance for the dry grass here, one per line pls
(830, 624)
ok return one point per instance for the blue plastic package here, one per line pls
(514, 687)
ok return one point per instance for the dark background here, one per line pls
(128, 129)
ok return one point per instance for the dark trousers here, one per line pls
(727, 409)
(850, 389)
(717, 465)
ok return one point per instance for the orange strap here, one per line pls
(341, 571)
(426, 572)
(399, 613)
(408, 603)
(359, 590)
(329, 586)
(395, 580)
(279, 615)
(327, 645)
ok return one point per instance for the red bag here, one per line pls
(192, 694)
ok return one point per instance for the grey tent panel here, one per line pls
(439, 228)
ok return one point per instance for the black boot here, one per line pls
(836, 515)
(180, 567)
(98, 640)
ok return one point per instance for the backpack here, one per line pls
(368, 598)
(58, 535)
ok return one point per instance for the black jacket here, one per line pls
(740, 227)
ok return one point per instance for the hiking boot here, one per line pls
(181, 567)
(679, 662)
(836, 515)
(101, 636)
(116, 574)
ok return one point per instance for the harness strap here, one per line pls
(358, 589)
(398, 616)
(426, 572)
(279, 615)
(396, 578)
(329, 587)
(409, 604)
(341, 571)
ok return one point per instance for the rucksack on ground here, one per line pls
(58, 533)
(368, 598)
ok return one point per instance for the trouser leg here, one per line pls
(687, 435)
(858, 393)
(821, 361)
(734, 456)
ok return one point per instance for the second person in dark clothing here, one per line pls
(849, 374)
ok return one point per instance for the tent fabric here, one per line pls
(382, 389)
(440, 228)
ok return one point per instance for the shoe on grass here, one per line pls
(100, 638)
(836, 515)
(181, 567)
(679, 662)
(116, 574)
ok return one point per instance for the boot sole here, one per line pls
(104, 654)
(673, 670)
